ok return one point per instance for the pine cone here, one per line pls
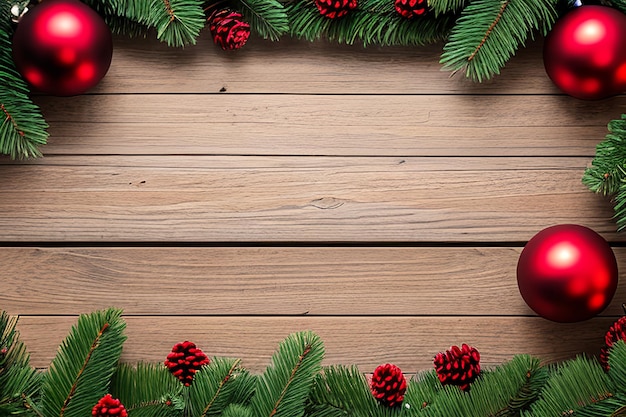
(333, 9)
(388, 385)
(229, 30)
(411, 8)
(616, 332)
(185, 360)
(458, 366)
(108, 406)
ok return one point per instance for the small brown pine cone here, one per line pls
(334, 9)
(388, 385)
(185, 360)
(616, 332)
(411, 8)
(458, 366)
(108, 406)
(228, 29)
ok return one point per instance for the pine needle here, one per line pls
(285, 385)
(489, 32)
(22, 128)
(19, 382)
(607, 173)
(220, 383)
(148, 390)
(268, 18)
(80, 373)
(572, 386)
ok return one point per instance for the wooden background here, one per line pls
(234, 198)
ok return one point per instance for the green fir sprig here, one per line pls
(284, 388)
(22, 128)
(607, 173)
(19, 382)
(219, 384)
(489, 32)
(295, 384)
(148, 390)
(81, 372)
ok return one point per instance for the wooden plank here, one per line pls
(409, 342)
(297, 199)
(290, 66)
(268, 281)
(365, 125)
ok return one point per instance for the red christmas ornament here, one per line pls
(185, 360)
(584, 54)
(388, 385)
(334, 9)
(229, 30)
(411, 8)
(62, 47)
(616, 332)
(109, 407)
(567, 273)
(458, 366)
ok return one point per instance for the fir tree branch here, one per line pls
(23, 128)
(285, 385)
(178, 22)
(573, 386)
(147, 390)
(342, 390)
(268, 18)
(80, 373)
(224, 380)
(375, 22)
(489, 32)
(606, 173)
(216, 385)
(446, 6)
(95, 344)
(19, 382)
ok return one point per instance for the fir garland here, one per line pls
(480, 37)
(86, 378)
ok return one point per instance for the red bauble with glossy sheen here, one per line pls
(585, 53)
(62, 47)
(567, 273)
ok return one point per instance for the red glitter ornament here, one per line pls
(334, 9)
(567, 273)
(458, 366)
(185, 360)
(108, 406)
(62, 47)
(616, 332)
(411, 8)
(584, 54)
(388, 385)
(229, 30)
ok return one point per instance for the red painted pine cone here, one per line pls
(229, 30)
(458, 366)
(108, 406)
(185, 360)
(411, 8)
(616, 332)
(333, 9)
(388, 385)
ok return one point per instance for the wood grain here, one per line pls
(291, 66)
(260, 281)
(349, 200)
(409, 342)
(177, 188)
(318, 125)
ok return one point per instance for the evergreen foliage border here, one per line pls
(294, 384)
(480, 36)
